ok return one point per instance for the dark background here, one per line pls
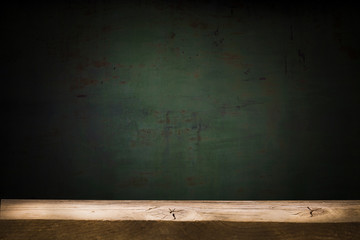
(232, 100)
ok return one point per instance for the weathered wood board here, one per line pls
(137, 220)
(170, 230)
(235, 211)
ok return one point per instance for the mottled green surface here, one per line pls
(181, 100)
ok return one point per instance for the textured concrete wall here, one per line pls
(180, 100)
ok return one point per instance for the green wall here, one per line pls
(181, 100)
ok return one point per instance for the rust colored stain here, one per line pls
(240, 190)
(270, 88)
(146, 131)
(94, 63)
(122, 82)
(120, 65)
(146, 137)
(176, 50)
(198, 137)
(133, 143)
(83, 82)
(101, 63)
(233, 60)
(231, 57)
(159, 47)
(198, 133)
(115, 76)
(167, 118)
(193, 181)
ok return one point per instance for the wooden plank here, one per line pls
(229, 211)
(172, 230)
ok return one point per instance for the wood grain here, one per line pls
(139, 230)
(229, 211)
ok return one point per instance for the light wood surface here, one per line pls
(229, 211)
